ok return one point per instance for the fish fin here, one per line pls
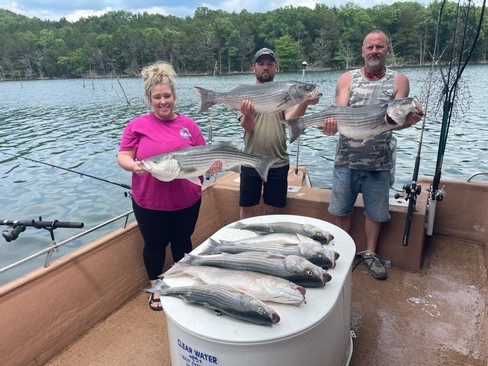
(145, 166)
(237, 225)
(302, 238)
(263, 166)
(206, 97)
(188, 258)
(286, 99)
(212, 247)
(236, 169)
(195, 180)
(294, 127)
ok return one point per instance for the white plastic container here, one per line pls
(316, 333)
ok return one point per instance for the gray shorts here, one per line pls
(374, 186)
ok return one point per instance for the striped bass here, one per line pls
(268, 97)
(192, 162)
(271, 239)
(312, 231)
(291, 267)
(361, 122)
(222, 299)
(261, 286)
(314, 252)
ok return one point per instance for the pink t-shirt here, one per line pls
(150, 137)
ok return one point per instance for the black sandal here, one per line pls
(155, 304)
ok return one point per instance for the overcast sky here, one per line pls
(72, 10)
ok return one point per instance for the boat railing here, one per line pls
(477, 174)
(55, 246)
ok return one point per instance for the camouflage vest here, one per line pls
(374, 154)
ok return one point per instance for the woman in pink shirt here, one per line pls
(166, 212)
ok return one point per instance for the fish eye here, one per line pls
(309, 273)
(261, 310)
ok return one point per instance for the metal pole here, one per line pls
(304, 66)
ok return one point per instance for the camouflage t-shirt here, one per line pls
(374, 154)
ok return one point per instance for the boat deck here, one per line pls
(433, 316)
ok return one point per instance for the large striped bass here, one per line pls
(361, 122)
(291, 267)
(192, 162)
(313, 251)
(222, 299)
(312, 231)
(261, 286)
(268, 97)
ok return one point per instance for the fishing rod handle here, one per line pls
(44, 224)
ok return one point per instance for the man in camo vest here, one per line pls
(365, 168)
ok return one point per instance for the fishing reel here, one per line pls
(13, 232)
(411, 190)
(440, 194)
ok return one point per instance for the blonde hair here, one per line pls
(158, 73)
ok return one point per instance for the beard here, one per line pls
(265, 78)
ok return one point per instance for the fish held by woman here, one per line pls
(267, 97)
(222, 299)
(192, 162)
(312, 231)
(261, 286)
(362, 122)
(291, 267)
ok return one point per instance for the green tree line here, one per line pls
(214, 41)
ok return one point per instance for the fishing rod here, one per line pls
(449, 90)
(304, 66)
(18, 226)
(70, 170)
(461, 49)
(413, 189)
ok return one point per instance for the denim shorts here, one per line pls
(274, 189)
(374, 186)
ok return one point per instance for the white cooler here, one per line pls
(316, 333)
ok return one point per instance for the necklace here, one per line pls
(373, 76)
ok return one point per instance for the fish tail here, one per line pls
(205, 98)
(295, 128)
(160, 286)
(263, 167)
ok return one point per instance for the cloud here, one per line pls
(73, 10)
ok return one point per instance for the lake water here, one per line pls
(77, 124)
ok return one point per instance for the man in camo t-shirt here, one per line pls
(366, 168)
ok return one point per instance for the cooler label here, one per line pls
(190, 356)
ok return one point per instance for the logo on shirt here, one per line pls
(185, 133)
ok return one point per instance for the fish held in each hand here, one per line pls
(222, 299)
(312, 231)
(291, 267)
(261, 286)
(361, 122)
(268, 97)
(192, 162)
(313, 251)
